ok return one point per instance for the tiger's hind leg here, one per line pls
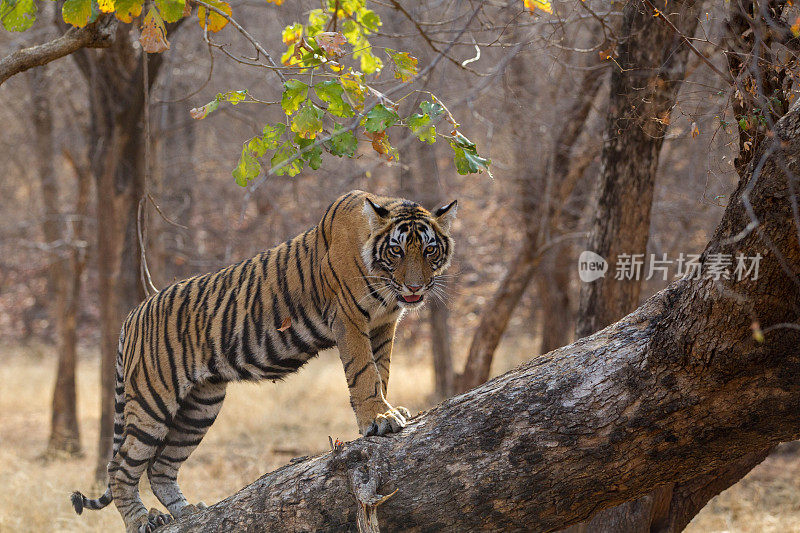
(195, 415)
(145, 431)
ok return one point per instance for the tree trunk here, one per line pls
(675, 390)
(552, 290)
(690, 497)
(115, 80)
(444, 377)
(561, 174)
(64, 275)
(652, 64)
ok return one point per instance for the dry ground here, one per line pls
(261, 427)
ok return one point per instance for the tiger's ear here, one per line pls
(446, 214)
(376, 215)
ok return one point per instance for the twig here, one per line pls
(147, 281)
(688, 42)
(165, 217)
(260, 49)
(399, 7)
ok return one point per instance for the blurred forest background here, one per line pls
(529, 87)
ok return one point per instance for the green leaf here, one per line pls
(331, 92)
(271, 135)
(311, 154)
(17, 15)
(248, 167)
(77, 12)
(432, 109)
(199, 113)
(256, 147)
(317, 19)
(379, 118)
(370, 20)
(283, 154)
(308, 121)
(234, 97)
(171, 10)
(370, 63)
(362, 50)
(420, 125)
(342, 142)
(405, 66)
(294, 92)
(466, 156)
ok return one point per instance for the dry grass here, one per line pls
(767, 500)
(260, 428)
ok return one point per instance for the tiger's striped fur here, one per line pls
(344, 283)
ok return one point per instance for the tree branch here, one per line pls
(99, 34)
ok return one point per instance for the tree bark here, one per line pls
(64, 274)
(444, 376)
(689, 498)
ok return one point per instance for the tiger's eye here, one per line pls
(430, 249)
(396, 250)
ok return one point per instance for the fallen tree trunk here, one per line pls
(683, 386)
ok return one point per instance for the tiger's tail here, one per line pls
(79, 501)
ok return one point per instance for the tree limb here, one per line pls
(96, 35)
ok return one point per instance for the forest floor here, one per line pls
(261, 427)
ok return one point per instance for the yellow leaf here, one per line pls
(154, 35)
(695, 130)
(106, 6)
(126, 10)
(796, 27)
(215, 21)
(758, 334)
(544, 5)
(286, 324)
(276, 2)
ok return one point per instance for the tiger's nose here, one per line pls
(413, 288)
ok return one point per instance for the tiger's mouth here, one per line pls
(410, 299)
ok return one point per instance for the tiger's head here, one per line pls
(408, 248)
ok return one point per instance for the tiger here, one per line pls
(345, 282)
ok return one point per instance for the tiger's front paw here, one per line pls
(391, 421)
